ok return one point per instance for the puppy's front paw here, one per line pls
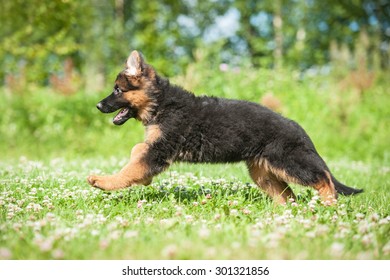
(97, 182)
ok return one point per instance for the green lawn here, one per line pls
(48, 211)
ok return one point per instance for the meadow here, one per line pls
(50, 143)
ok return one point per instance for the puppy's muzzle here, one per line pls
(100, 106)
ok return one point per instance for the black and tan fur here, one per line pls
(180, 126)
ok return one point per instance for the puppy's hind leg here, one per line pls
(326, 189)
(275, 187)
(305, 167)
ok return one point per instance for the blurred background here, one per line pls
(325, 64)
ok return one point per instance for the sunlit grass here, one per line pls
(47, 211)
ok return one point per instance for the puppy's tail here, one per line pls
(343, 189)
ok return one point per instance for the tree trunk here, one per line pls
(278, 24)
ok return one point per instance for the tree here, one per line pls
(39, 36)
(35, 36)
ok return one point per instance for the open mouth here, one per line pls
(123, 115)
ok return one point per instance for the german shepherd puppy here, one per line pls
(180, 126)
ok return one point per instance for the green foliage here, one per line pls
(38, 36)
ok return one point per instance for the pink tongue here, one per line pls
(121, 113)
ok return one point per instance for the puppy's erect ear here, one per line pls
(134, 64)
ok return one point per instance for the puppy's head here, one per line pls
(131, 93)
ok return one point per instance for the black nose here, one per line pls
(99, 106)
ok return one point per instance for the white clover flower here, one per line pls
(178, 213)
(233, 203)
(364, 227)
(337, 249)
(342, 213)
(375, 217)
(114, 235)
(124, 223)
(19, 202)
(306, 223)
(218, 227)
(367, 239)
(167, 222)
(288, 213)
(34, 207)
(204, 233)
(17, 226)
(258, 225)
(359, 216)
(189, 218)
(131, 234)
(10, 215)
(315, 198)
(310, 234)
(100, 219)
(281, 220)
(46, 245)
(50, 216)
(344, 232)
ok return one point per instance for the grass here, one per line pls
(190, 212)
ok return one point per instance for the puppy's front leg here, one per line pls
(136, 172)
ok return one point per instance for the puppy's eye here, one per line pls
(117, 90)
